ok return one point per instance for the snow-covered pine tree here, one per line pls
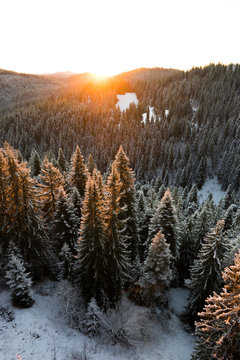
(61, 161)
(23, 223)
(143, 223)
(78, 173)
(118, 262)
(187, 248)
(91, 166)
(64, 222)
(66, 264)
(51, 180)
(203, 221)
(91, 271)
(165, 220)
(219, 329)
(77, 202)
(19, 281)
(207, 268)
(3, 198)
(91, 322)
(201, 173)
(127, 202)
(157, 273)
(35, 163)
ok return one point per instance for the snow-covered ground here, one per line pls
(40, 333)
(211, 186)
(125, 100)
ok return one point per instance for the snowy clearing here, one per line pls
(40, 333)
(125, 100)
(211, 186)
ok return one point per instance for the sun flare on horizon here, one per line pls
(106, 38)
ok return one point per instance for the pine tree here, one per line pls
(78, 174)
(127, 202)
(77, 203)
(35, 163)
(19, 280)
(51, 180)
(143, 224)
(92, 321)
(62, 163)
(91, 166)
(201, 173)
(117, 258)
(66, 263)
(157, 273)
(90, 271)
(64, 223)
(206, 270)
(165, 220)
(187, 248)
(219, 328)
(23, 223)
(203, 221)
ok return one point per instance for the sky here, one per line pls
(107, 37)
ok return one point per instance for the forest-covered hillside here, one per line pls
(109, 203)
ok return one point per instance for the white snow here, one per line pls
(211, 186)
(178, 298)
(40, 333)
(151, 115)
(166, 112)
(125, 100)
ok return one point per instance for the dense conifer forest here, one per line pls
(109, 202)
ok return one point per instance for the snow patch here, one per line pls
(178, 299)
(211, 186)
(151, 115)
(40, 333)
(125, 100)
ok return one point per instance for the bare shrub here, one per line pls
(71, 304)
(127, 324)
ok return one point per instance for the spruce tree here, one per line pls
(127, 201)
(64, 223)
(91, 166)
(19, 281)
(117, 258)
(218, 330)
(62, 163)
(165, 220)
(35, 163)
(66, 264)
(78, 173)
(23, 222)
(157, 273)
(51, 180)
(206, 270)
(90, 271)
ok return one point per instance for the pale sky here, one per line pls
(110, 36)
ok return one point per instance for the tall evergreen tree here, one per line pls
(62, 163)
(19, 280)
(91, 271)
(127, 201)
(64, 223)
(78, 173)
(207, 268)
(35, 163)
(117, 258)
(157, 273)
(219, 329)
(165, 220)
(51, 180)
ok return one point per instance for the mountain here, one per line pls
(18, 89)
